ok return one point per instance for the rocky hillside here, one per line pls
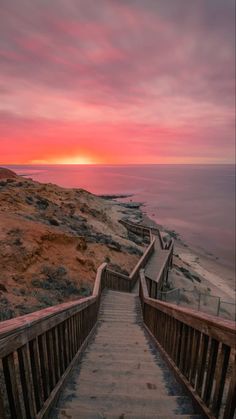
(51, 242)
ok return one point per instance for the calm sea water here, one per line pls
(196, 201)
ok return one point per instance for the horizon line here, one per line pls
(117, 164)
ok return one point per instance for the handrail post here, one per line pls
(199, 301)
(218, 307)
(178, 297)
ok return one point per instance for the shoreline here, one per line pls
(214, 274)
(194, 268)
(129, 192)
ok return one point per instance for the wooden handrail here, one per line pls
(22, 323)
(136, 228)
(37, 351)
(121, 282)
(155, 284)
(200, 349)
(165, 265)
(139, 228)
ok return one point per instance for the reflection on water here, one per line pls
(195, 200)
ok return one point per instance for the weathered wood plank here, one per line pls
(56, 391)
(180, 377)
(183, 339)
(51, 360)
(194, 356)
(66, 343)
(12, 386)
(187, 366)
(220, 378)
(56, 349)
(14, 340)
(219, 329)
(62, 354)
(27, 381)
(210, 371)
(202, 363)
(187, 344)
(36, 373)
(231, 397)
(4, 404)
(17, 332)
(44, 365)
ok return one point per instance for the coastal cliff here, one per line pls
(52, 240)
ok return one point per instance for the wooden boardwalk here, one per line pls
(155, 263)
(108, 355)
(121, 375)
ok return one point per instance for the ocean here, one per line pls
(197, 201)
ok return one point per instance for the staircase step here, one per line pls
(133, 336)
(123, 404)
(123, 366)
(117, 347)
(124, 329)
(118, 304)
(106, 339)
(119, 309)
(113, 371)
(88, 413)
(140, 356)
(110, 311)
(110, 316)
(121, 376)
(118, 321)
(123, 298)
(145, 385)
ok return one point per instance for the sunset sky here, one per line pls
(116, 81)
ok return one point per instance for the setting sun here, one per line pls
(66, 160)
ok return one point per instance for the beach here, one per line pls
(195, 272)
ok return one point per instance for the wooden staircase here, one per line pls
(121, 374)
(115, 354)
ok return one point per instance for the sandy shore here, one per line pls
(195, 271)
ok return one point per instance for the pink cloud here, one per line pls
(154, 77)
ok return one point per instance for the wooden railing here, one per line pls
(156, 284)
(37, 351)
(200, 349)
(147, 232)
(136, 228)
(120, 282)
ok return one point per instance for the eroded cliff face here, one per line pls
(51, 242)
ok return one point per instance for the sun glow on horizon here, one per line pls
(83, 91)
(67, 160)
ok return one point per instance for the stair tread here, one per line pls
(94, 384)
(88, 413)
(120, 374)
(125, 404)
(123, 365)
